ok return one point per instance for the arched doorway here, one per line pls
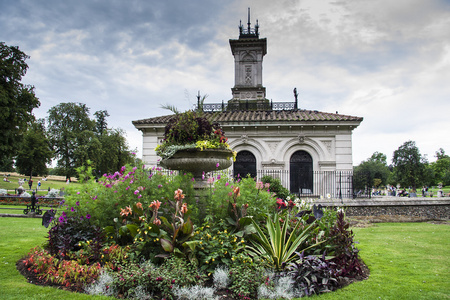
(301, 173)
(245, 164)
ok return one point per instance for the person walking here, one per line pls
(30, 183)
(39, 184)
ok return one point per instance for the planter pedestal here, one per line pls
(199, 162)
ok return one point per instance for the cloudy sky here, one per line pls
(387, 61)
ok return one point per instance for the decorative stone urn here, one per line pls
(197, 161)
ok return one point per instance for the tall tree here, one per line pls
(441, 168)
(68, 124)
(17, 100)
(115, 152)
(101, 124)
(35, 151)
(371, 172)
(409, 166)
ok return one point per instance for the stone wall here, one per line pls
(392, 207)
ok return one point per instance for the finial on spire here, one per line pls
(249, 32)
(248, 22)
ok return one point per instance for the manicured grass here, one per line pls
(406, 261)
(45, 185)
(17, 237)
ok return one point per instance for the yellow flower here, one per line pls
(145, 232)
(88, 242)
(226, 251)
(225, 231)
(206, 262)
(212, 259)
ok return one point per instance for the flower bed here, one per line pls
(141, 234)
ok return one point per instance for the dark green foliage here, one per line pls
(157, 280)
(216, 246)
(276, 186)
(245, 277)
(17, 100)
(346, 253)
(409, 165)
(69, 232)
(76, 139)
(313, 275)
(373, 168)
(35, 151)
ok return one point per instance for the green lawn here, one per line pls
(45, 185)
(406, 261)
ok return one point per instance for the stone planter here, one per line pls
(196, 161)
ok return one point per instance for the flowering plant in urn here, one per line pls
(189, 130)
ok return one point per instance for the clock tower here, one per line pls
(248, 52)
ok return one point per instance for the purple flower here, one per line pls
(136, 192)
(78, 193)
(64, 214)
(159, 186)
(88, 216)
(115, 191)
(78, 203)
(72, 209)
(227, 184)
(61, 219)
(217, 165)
(139, 196)
(218, 177)
(95, 197)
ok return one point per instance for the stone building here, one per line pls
(310, 151)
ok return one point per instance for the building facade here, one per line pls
(301, 147)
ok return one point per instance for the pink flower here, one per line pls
(140, 196)
(155, 205)
(217, 165)
(78, 193)
(210, 180)
(184, 208)
(179, 195)
(136, 192)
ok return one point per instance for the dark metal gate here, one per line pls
(301, 173)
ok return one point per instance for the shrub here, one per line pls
(68, 273)
(346, 253)
(158, 280)
(246, 275)
(312, 275)
(70, 232)
(276, 186)
(215, 246)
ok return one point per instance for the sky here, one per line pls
(386, 61)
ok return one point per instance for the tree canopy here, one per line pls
(78, 139)
(371, 172)
(409, 167)
(35, 151)
(17, 100)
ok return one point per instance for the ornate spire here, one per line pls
(249, 32)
